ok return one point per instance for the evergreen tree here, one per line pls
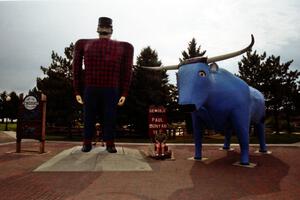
(57, 85)
(275, 80)
(1, 109)
(3, 106)
(13, 106)
(192, 51)
(9, 109)
(174, 113)
(251, 70)
(147, 88)
(291, 96)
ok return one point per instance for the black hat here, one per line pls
(105, 22)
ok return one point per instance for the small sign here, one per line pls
(157, 120)
(30, 102)
(31, 120)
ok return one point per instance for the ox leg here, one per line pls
(228, 134)
(260, 128)
(241, 126)
(243, 138)
(197, 133)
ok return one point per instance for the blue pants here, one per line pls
(103, 102)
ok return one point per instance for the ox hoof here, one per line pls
(247, 165)
(263, 152)
(198, 159)
(226, 149)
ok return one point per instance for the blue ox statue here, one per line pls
(222, 101)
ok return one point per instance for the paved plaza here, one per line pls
(64, 172)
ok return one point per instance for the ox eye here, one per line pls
(202, 73)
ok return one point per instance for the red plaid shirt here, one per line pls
(108, 64)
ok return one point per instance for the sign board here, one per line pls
(157, 119)
(31, 120)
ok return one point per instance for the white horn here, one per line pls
(233, 54)
(203, 59)
(159, 68)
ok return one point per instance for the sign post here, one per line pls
(32, 120)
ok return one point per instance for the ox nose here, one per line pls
(188, 108)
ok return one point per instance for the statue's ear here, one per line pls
(213, 67)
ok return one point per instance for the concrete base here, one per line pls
(258, 152)
(29, 153)
(231, 149)
(98, 159)
(202, 160)
(251, 165)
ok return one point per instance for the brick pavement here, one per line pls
(277, 176)
(4, 138)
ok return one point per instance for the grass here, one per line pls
(209, 139)
(10, 126)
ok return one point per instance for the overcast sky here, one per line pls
(30, 30)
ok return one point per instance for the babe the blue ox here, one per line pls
(222, 101)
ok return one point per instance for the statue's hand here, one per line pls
(121, 101)
(79, 99)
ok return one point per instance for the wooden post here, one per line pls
(18, 138)
(18, 148)
(43, 137)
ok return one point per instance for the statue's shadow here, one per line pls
(219, 179)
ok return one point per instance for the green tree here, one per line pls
(277, 82)
(1, 110)
(192, 51)
(251, 70)
(3, 106)
(9, 109)
(147, 88)
(57, 85)
(174, 113)
(290, 96)
(13, 106)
